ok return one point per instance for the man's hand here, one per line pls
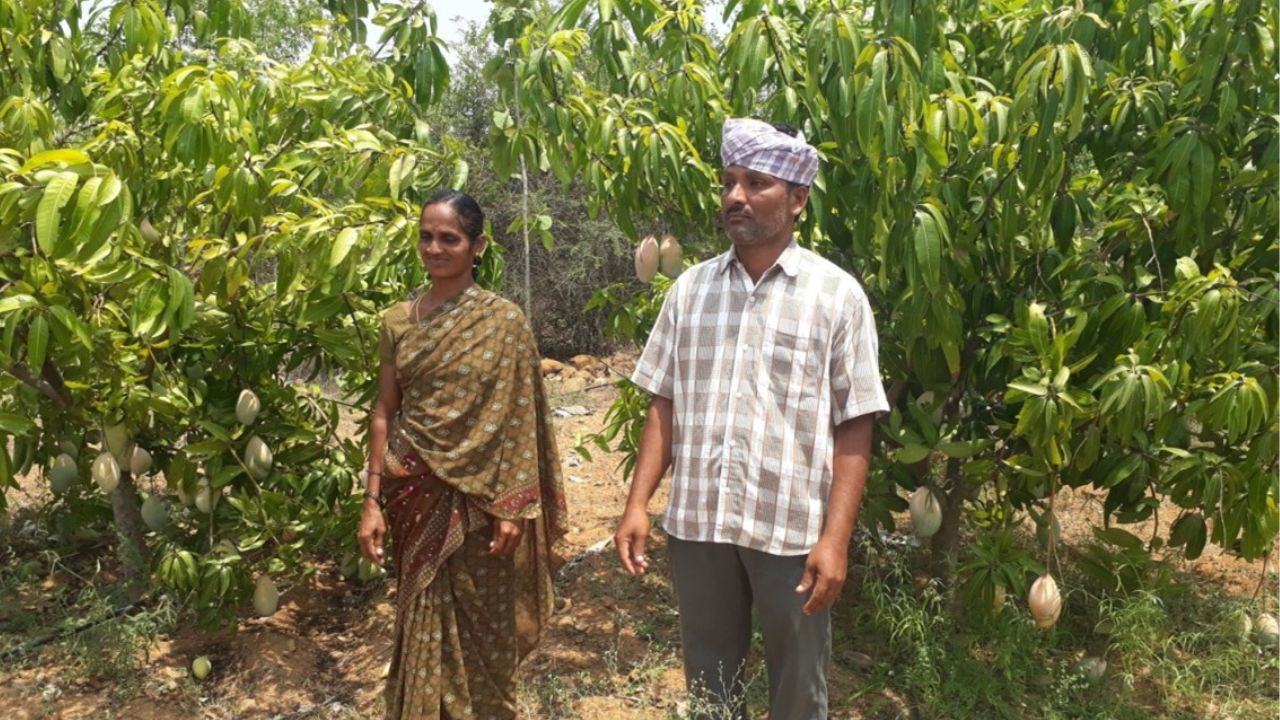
(506, 536)
(372, 532)
(824, 573)
(827, 564)
(632, 534)
(652, 461)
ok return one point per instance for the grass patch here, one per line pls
(1170, 653)
(115, 649)
(69, 615)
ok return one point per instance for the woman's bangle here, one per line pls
(374, 497)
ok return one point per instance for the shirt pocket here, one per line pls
(795, 364)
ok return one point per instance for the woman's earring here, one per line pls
(475, 261)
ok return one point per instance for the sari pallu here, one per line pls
(472, 442)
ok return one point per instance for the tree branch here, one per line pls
(45, 387)
(52, 376)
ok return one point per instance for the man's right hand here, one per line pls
(652, 461)
(632, 534)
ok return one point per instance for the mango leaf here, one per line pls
(928, 248)
(16, 424)
(20, 301)
(911, 454)
(61, 156)
(962, 449)
(148, 313)
(1189, 532)
(181, 308)
(342, 246)
(37, 343)
(72, 324)
(48, 214)
(1029, 388)
(1119, 538)
(109, 190)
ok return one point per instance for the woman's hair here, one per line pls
(470, 216)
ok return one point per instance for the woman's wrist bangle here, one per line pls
(377, 499)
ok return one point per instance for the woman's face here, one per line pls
(444, 247)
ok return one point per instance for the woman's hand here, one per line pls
(506, 536)
(373, 532)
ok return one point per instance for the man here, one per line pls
(765, 382)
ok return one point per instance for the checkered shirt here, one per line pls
(759, 378)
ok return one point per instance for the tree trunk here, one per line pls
(945, 546)
(131, 546)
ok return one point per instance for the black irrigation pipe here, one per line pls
(589, 388)
(64, 634)
(558, 396)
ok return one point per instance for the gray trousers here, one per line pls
(717, 585)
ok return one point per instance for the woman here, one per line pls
(463, 463)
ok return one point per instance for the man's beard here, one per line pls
(753, 231)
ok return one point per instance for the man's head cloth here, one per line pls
(757, 145)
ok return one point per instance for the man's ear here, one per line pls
(799, 198)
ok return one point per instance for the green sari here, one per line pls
(472, 442)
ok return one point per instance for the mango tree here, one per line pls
(1065, 216)
(190, 229)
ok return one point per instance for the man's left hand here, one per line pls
(824, 573)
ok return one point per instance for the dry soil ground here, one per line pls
(611, 654)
